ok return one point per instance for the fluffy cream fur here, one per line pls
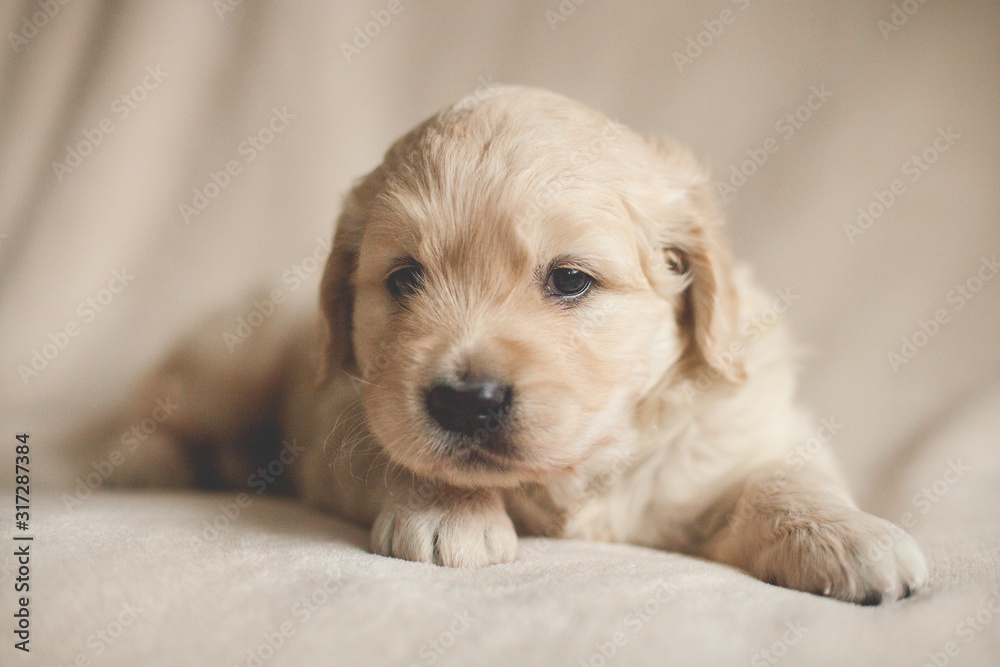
(648, 411)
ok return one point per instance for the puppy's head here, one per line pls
(514, 278)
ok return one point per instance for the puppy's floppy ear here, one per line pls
(711, 309)
(336, 290)
(689, 238)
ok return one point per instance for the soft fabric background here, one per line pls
(149, 569)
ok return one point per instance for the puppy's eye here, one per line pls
(405, 281)
(568, 282)
(677, 261)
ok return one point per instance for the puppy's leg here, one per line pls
(433, 523)
(801, 530)
(207, 415)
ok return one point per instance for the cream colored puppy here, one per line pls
(532, 325)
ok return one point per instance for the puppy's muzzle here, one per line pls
(474, 408)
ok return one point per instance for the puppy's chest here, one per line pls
(639, 502)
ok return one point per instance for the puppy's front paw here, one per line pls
(851, 556)
(455, 532)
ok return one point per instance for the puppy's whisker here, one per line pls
(356, 434)
(347, 413)
(359, 380)
(353, 442)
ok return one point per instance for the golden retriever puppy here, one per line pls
(532, 325)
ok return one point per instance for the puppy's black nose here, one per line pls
(465, 407)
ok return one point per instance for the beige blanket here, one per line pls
(158, 159)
